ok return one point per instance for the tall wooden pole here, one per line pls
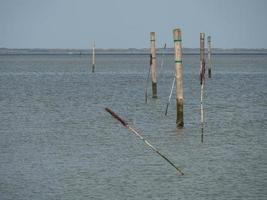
(202, 79)
(93, 58)
(177, 37)
(202, 57)
(209, 55)
(153, 64)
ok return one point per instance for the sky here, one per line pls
(128, 23)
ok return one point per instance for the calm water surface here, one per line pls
(57, 142)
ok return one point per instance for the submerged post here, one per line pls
(209, 55)
(153, 64)
(177, 38)
(93, 58)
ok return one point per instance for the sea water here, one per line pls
(57, 141)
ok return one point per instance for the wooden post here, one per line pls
(177, 37)
(209, 55)
(153, 64)
(93, 58)
(202, 80)
(202, 57)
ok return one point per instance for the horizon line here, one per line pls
(130, 48)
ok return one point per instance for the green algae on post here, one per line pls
(177, 38)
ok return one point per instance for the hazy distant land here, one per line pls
(37, 51)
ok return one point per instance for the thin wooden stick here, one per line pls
(162, 58)
(147, 79)
(126, 125)
(202, 111)
(93, 58)
(170, 96)
(209, 56)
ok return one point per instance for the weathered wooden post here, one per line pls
(153, 64)
(93, 58)
(202, 79)
(209, 55)
(202, 57)
(177, 38)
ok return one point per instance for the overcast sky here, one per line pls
(127, 23)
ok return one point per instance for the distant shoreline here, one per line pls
(131, 51)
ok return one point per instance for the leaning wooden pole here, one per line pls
(170, 96)
(153, 64)
(177, 37)
(209, 55)
(126, 125)
(93, 58)
(202, 80)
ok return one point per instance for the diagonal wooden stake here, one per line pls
(170, 96)
(126, 125)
